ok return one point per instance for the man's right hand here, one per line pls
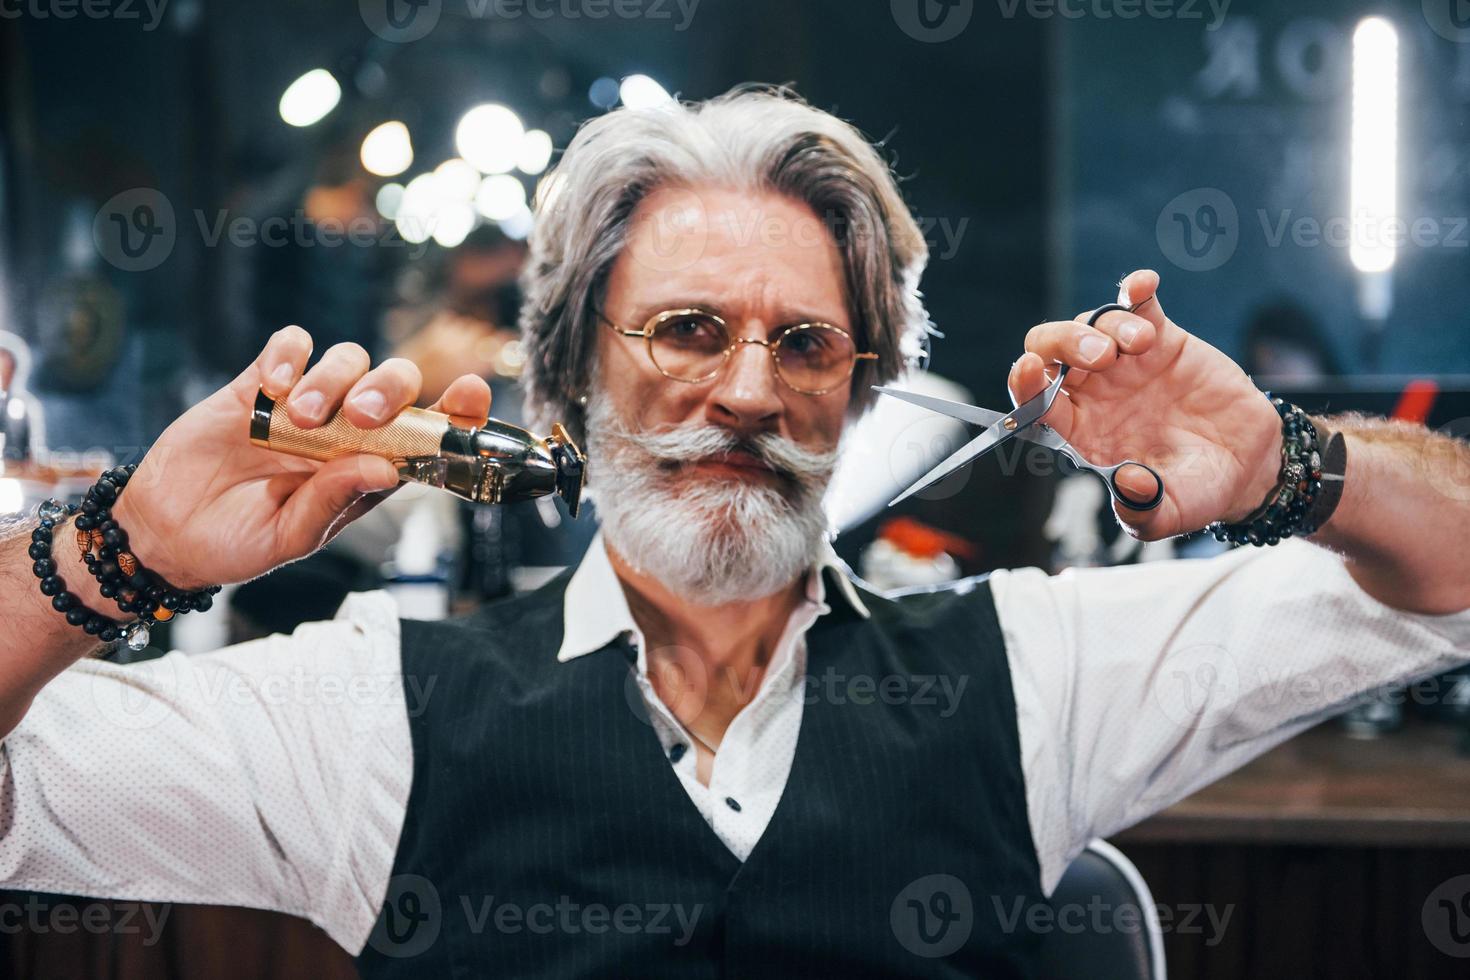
(207, 506)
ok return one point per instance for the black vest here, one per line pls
(548, 836)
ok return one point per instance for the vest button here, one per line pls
(677, 752)
(732, 803)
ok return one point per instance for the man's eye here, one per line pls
(692, 328)
(805, 342)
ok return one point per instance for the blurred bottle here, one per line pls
(417, 576)
(1377, 714)
(908, 554)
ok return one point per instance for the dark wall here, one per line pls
(1251, 115)
(187, 107)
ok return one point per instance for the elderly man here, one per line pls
(708, 751)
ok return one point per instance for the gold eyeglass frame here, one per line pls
(771, 346)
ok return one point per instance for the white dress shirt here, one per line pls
(275, 774)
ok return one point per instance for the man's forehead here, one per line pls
(730, 247)
(731, 212)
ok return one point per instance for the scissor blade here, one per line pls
(973, 414)
(970, 451)
(1039, 432)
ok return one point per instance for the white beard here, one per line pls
(710, 541)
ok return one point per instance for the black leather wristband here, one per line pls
(1334, 472)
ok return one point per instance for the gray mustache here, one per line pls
(692, 442)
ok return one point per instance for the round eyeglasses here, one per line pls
(693, 346)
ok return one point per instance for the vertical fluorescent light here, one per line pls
(1375, 137)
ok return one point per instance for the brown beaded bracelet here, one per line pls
(120, 576)
(53, 515)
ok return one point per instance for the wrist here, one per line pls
(146, 546)
(74, 571)
(1288, 508)
(1262, 457)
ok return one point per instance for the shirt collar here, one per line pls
(595, 610)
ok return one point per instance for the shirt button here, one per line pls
(677, 752)
(732, 803)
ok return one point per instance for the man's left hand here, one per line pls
(1141, 387)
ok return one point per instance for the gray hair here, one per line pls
(751, 138)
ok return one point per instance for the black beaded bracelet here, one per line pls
(52, 515)
(119, 574)
(1286, 508)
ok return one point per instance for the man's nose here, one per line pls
(747, 392)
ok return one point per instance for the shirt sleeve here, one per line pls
(273, 775)
(1137, 686)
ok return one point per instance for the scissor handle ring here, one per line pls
(1109, 308)
(1091, 322)
(1122, 498)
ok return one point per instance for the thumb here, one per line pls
(1139, 286)
(315, 506)
(1028, 379)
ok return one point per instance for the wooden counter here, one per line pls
(1407, 789)
(1324, 853)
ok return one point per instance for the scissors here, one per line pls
(1023, 421)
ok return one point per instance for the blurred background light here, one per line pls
(453, 222)
(387, 151)
(308, 99)
(418, 209)
(390, 196)
(489, 137)
(535, 152)
(642, 92)
(603, 93)
(456, 179)
(500, 196)
(518, 225)
(12, 497)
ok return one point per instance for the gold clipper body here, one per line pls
(495, 463)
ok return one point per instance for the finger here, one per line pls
(1028, 379)
(1146, 525)
(467, 399)
(382, 393)
(1139, 286)
(278, 366)
(1137, 484)
(1132, 333)
(1074, 344)
(314, 507)
(320, 392)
